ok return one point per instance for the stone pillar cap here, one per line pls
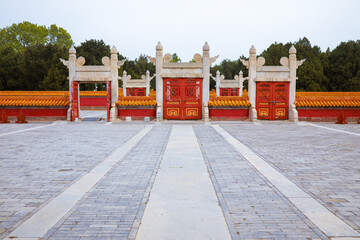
(159, 47)
(292, 50)
(72, 50)
(206, 47)
(113, 50)
(252, 50)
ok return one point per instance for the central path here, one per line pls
(183, 203)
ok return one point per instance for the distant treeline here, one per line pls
(29, 60)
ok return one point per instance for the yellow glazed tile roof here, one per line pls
(327, 99)
(33, 102)
(136, 101)
(34, 93)
(34, 99)
(229, 101)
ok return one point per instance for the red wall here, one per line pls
(229, 114)
(92, 101)
(326, 113)
(137, 114)
(59, 113)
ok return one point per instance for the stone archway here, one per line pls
(80, 73)
(178, 72)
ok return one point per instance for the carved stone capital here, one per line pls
(299, 63)
(80, 61)
(120, 63)
(106, 61)
(197, 57)
(245, 63)
(66, 63)
(167, 57)
(151, 59)
(284, 61)
(260, 62)
(213, 59)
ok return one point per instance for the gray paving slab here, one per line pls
(114, 207)
(41, 222)
(183, 203)
(15, 128)
(322, 162)
(37, 165)
(352, 129)
(255, 209)
(326, 221)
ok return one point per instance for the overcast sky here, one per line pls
(182, 26)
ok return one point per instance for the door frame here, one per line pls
(75, 99)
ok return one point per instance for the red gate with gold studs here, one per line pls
(272, 100)
(182, 98)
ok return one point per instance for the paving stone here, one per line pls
(249, 200)
(322, 162)
(119, 195)
(38, 164)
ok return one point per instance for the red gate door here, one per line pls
(182, 98)
(75, 100)
(272, 100)
(108, 100)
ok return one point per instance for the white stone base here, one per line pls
(253, 114)
(293, 113)
(68, 117)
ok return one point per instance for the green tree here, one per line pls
(38, 64)
(275, 52)
(310, 75)
(343, 67)
(25, 34)
(229, 69)
(175, 58)
(138, 67)
(10, 74)
(58, 35)
(93, 51)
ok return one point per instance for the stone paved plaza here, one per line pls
(41, 163)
